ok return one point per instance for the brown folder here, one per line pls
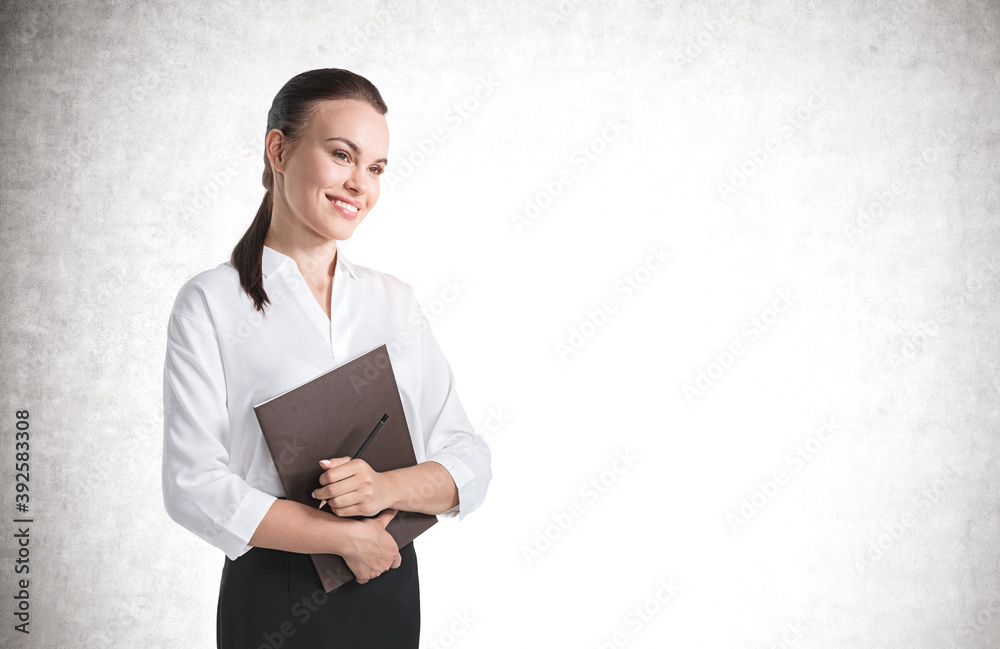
(331, 416)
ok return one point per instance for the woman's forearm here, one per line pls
(294, 527)
(427, 488)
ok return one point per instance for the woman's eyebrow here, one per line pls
(353, 147)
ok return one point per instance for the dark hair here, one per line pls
(291, 110)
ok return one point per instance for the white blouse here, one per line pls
(223, 357)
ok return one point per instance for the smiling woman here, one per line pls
(325, 147)
(323, 192)
(334, 123)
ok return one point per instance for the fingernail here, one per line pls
(313, 494)
(324, 462)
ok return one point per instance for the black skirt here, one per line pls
(273, 599)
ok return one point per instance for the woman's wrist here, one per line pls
(340, 535)
(392, 498)
(426, 487)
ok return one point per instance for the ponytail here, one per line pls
(248, 253)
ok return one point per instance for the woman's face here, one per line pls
(331, 176)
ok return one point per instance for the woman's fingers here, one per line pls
(385, 516)
(342, 488)
(356, 486)
(332, 463)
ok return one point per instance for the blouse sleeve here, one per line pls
(200, 492)
(450, 438)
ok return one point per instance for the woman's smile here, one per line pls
(347, 208)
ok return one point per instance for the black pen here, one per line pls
(361, 450)
(371, 436)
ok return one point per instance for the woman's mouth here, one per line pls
(347, 210)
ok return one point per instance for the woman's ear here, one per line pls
(275, 146)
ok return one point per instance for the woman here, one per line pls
(284, 309)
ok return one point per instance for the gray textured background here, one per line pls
(133, 137)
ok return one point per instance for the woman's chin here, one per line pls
(342, 231)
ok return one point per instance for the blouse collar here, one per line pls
(272, 260)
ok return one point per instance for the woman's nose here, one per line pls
(357, 181)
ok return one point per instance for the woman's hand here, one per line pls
(353, 488)
(374, 550)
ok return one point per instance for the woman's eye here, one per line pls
(341, 153)
(377, 170)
